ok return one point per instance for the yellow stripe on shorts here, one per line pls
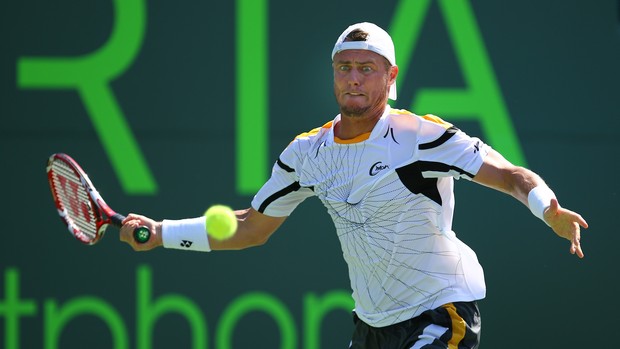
(458, 326)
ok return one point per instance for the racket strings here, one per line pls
(74, 201)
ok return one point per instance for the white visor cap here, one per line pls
(378, 41)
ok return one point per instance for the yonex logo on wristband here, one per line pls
(186, 243)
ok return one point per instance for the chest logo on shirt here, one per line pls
(377, 167)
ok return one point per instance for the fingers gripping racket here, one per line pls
(79, 204)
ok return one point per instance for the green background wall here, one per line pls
(557, 67)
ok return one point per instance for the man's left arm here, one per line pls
(529, 188)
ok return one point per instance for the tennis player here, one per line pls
(386, 178)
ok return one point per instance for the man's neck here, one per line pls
(350, 127)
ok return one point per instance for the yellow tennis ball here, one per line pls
(221, 222)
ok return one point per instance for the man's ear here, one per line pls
(393, 72)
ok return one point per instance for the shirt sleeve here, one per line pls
(451, 152)
(282, 193)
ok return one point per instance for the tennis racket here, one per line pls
(79, 204)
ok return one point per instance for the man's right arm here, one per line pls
(253, 229)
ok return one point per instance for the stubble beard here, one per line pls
(356, 111)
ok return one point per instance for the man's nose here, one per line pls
(354, 77)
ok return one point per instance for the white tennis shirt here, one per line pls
(390, 195)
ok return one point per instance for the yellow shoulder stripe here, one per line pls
(400, 112)
(437, 120)
(314, 130)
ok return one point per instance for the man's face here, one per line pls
(362, 80)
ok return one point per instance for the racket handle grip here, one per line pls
(141, 234)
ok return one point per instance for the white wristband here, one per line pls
(186, 234)
(539, 199)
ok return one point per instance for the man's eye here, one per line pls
(344, 68)
(366, 69)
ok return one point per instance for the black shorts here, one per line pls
(453, 325)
